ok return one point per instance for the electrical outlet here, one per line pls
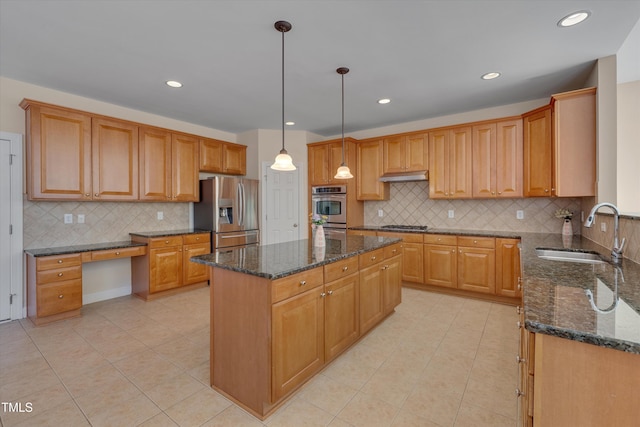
(519, 214)
(380, 213)
(68, 218)
(80, 218)
(603, 227)
(451, 213)
(160, 215)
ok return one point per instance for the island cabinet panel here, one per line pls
(114, 146)
(371, 285)
(298, 340)
(58, 153)
(391, 281)
(296, 284)
(341, 314)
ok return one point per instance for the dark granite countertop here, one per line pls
(166, 233)
(284, 259)
(62, 250)
(450, 231)
(556, 302)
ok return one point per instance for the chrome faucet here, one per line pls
(616, 251)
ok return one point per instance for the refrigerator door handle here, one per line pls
(241, 204)
(238, 235)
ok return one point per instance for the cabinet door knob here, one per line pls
(87, 194)
(499, 193)
(117, 253)
(166, 242)
(519, 393)
(520, 359)
(475, 242)
(345, 268)
(303, 282)
(519, 323)
(453, 251)
(373, 258)
(322, 295)
(197, 238)
(493, 193)
(59, 261)
(546, 190)
(330, 292)
(60, 274)
(518, 310)
(60, 296)
(460, 251)
(96, 195)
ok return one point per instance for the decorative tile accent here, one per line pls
(104, 221)
(409, 204)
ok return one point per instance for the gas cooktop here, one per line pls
(405, 227)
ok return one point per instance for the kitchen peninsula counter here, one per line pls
(280, 313)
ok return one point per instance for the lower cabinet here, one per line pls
(477, 264)
(441, 260)
(341, 315)
(412, 254)
(392, 278)
(371, 284)
(167, 265)
(508, 274)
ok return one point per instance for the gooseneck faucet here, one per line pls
(616, 251)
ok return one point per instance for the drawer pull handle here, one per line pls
(166, 242)
(519, 393)
(520, 359)
(97, 195)
(303, 282)
(330, 292)
(345, 268)
(59, 261)
(117, 253)
(322, 295)
(373, 258)
(475, 242)
(60, 296)
(519, 323)
(60, 274)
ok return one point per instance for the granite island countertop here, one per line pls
(283, 259)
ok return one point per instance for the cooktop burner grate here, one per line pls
(406, 227)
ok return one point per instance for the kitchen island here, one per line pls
(281, 312)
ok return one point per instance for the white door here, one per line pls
(11, 258)
(282, 206)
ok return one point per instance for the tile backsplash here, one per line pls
(104, 221)
(409, 204)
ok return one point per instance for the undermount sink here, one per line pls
(570, 255)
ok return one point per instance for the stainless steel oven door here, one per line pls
(333, 206)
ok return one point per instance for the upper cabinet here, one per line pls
(560, 146)
(114, 148)
(325, 158)
(58, 153)
(405, 153)
(222, 157)
(370, 164)
(75, 155)
(450, 168)
(497, 159)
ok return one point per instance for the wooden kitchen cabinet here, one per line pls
(58, 153)
(370, 166)
(341, 311)
(412, 253)
(440, 260)
(168, 166)
(114, 146)
(450, 166)
(222, 157)
(392, 278)
(560, 146)
(371, 285)
(405, 153)
(166, 267)
(497, 159)
(508, 275)
(54, 287)
(297, 340)
(324, 161)
(477, 264)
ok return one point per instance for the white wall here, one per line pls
(628, 124)
(606, 131)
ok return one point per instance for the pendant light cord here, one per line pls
(342, 75)
(283, 91)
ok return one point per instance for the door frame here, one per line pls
(18, 285)
(302, 200)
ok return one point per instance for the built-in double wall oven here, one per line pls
(331, 201)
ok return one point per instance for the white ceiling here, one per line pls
(427, 56)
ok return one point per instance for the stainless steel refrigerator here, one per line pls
(229, 207)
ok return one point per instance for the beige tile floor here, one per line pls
(438, 361)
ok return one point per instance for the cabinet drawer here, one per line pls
(406, 237)
(440, 239)
(393, 250)
(192, 239)
(340, 269)
(295, 284)
(118, 253)
(59, 274)
(49, 262)
(162, 242)
(477, 242)
(54, 298)
(371, 258)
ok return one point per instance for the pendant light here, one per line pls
(343, 171)
(283, 160)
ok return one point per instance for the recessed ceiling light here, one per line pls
(289, 123)
(173, 83)
(384, 101)
(574, 18)
(490, 76)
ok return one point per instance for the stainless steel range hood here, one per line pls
(405, 176)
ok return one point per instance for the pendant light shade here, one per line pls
(343, 171)
(283, 160)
